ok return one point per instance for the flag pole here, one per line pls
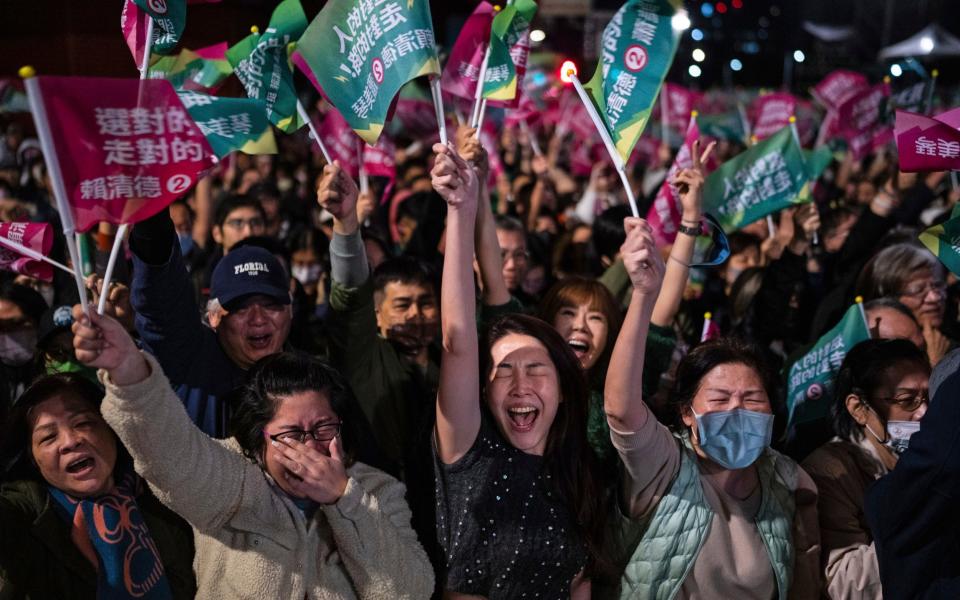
(438, 108)
(796, 137)
(33, 254)
(863, 314)
(313, 132)
(607, 141)
(478, 94)
(364, 178)
(39, 111)
(707, 317)
(121, 232)
(534, 144)
(664, 124)
(933, 84)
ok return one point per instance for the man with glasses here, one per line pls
(512, 239)
(249, 311)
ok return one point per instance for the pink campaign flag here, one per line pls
(341, 141)
(951, 118)
(379, 161)
(926, 144)
(773, 112)
(664, 215)
(837, 86)
(861, 120)
(679, 102)
(462, 72)
(121, 161)
(33, 236)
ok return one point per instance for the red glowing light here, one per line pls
(736, 3)
(721, 7)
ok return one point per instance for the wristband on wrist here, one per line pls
(692, 231)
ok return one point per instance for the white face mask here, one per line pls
(898, 434)
(306, 274)
(18, 347)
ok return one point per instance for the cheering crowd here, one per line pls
(481, 377)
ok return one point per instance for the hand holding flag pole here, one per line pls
(605, 136)
(313, 132)
(438, 107)
(56, 178)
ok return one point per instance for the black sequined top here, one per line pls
(503, 532)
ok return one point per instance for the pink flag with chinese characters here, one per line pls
(665, 212)
(462, 72)
(773, 112)
(861, 120)
(837, 86)
(679, 102)
(341, 141)
(35, 236)
(925, 144)
(121, 161)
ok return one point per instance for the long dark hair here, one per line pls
(568, 458)
(280, 375)
(860, 375)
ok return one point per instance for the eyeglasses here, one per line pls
(909, 401)
(516, 255)
(920, 291)
(254, 223)
(323, 433)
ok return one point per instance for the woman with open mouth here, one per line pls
(75, 520)
(521, 499)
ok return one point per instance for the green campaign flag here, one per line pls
(359, 54)
(767, 177)
(724, 126)
(231, 123)
(509, 27)
(816, 161)
(169, 20)
(637, 50)
(810, 377)
(944, 241)
(191, 71)
(262, 63)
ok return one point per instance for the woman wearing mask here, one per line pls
(281, 510)
(880, 396)
(521, 508)
(21, 309)
(739, 518)
(75, 520)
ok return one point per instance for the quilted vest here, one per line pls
(678, 527)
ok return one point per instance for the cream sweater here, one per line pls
(251, 540)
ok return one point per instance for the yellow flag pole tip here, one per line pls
(254, 29)
(707, 316)
(497, 8)
(694, 114)
(793, 119)
(753, 139)
(858, 299)
(935, 73)
(886, 79)
(26, 72)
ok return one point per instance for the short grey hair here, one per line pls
(888, 271)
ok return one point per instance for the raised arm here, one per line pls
(494, 290)
(194, 475)
(689, 183)
(458, 398)
(622, 400)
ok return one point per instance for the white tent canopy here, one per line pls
(931, 41)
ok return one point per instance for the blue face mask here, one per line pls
(736, 438)
(186, 243)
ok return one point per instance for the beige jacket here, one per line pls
(251, 540)
(842, 471)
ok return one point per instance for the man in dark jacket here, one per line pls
(912, 511)
(249, 316)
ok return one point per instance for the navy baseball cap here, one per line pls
(248, 271)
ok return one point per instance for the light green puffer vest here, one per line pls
(678, 527)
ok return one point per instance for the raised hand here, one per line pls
(101, 342)
(338, 194)
(472, 151)
(118, 300)
(454, 179)
(641, 257)
(689, 183)
(315, 475)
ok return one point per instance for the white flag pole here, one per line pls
(39, 111)
(478, 104)
(33, 254)
(438, 108)
(534, 144)
(607, 141)
(121, 232)
(664, 116)
(313, 132)
(364, 177)
(863, 314)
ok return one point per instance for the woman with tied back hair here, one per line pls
(76, 521)
(521, 501)
(880, 395)
(280, 510)
(911, 274)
